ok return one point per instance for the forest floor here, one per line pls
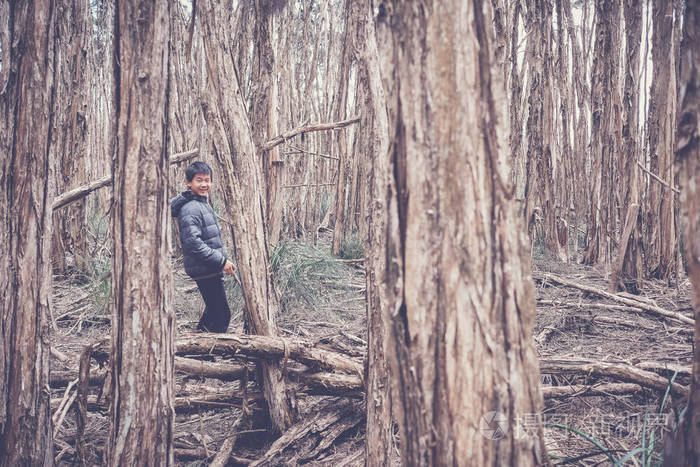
(577, 334)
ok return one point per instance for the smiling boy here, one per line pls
(204, 257)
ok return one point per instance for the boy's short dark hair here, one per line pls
(198, 167)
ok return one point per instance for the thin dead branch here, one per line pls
(306, 129)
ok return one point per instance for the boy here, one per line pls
(204, 257)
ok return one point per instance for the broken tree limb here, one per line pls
(270, 348)
(307, 439)
(617, 298)
(306, 129)
(82, 191)
(222, 457)
(619, 371)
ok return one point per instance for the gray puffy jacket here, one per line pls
(199, 234)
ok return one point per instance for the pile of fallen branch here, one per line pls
(334, 368)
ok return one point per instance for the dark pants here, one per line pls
(216, 314)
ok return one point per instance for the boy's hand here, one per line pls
(229, 268)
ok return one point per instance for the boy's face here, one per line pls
(200, 184)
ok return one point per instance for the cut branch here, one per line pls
(617, 298)
(307, 129)
(82, 191)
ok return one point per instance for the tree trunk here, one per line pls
(660, 238)
(340, 230)
(374, 146)
(459, 303)
(142, 383)
(628, 269)
(683, 447)
(26, 191)
(69, 146)
(264, 114)
(604, 87)
(540, 163)
(240, 175)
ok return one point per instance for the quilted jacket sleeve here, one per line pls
(192, 244)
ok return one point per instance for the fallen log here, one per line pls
(82, 191)
(199, 368)
(667, 370)
(187, 366)
(619, 371)
(271, 348)
(324, 383)
(332, 384)
(617, 298)
(554, 392)
(188, 403)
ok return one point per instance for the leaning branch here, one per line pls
(655, 177)
(307, 129)
(82, 191)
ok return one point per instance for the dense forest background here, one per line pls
(465, 232)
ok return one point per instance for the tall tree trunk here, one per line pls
(628, 269)
(69, 146)
(565, 187)
(515, 96)
(240, 175)
(660, 237)
(541, 173)
(579, 97)
(143, 320)
(374, 149)
(603, 126)
(264, 115)
(459, 303)
(340, 229)
(26, 192)
(683, 447)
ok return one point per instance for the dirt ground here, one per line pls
(323, 300)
